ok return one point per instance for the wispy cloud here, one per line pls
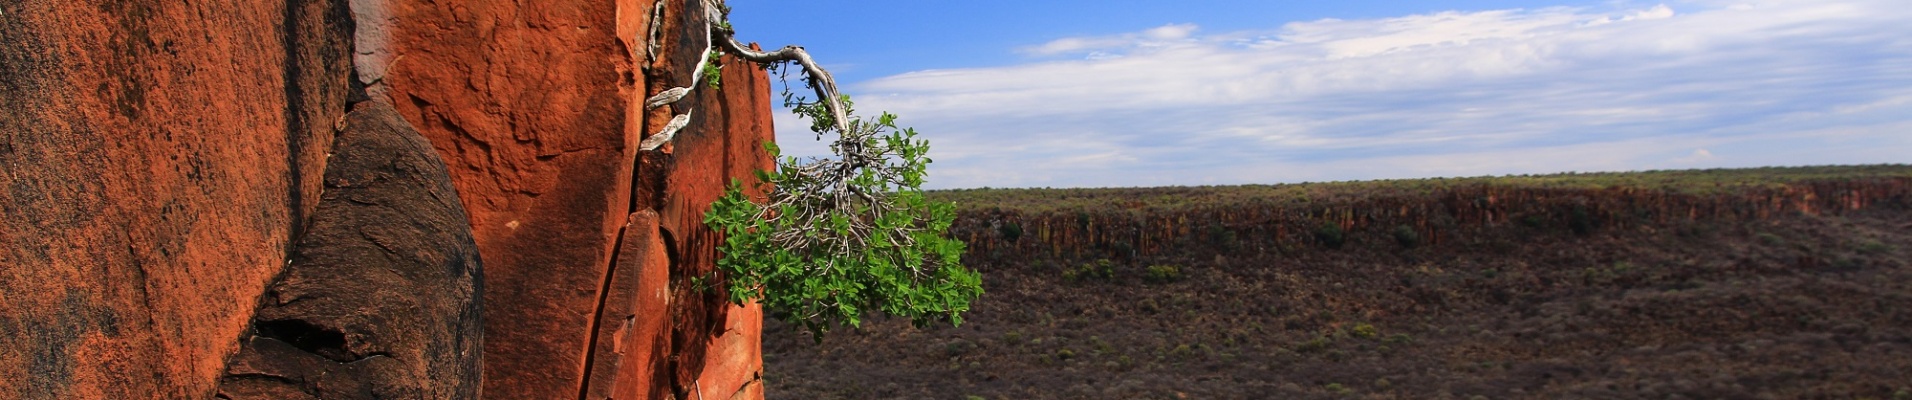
(1095, 47)
(1443, 94)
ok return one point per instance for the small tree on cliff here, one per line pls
(836, 237)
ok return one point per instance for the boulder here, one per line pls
(382, 299)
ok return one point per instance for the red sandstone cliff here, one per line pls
(162, 160)
(541, 137)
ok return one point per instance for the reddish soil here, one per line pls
(1793, 305)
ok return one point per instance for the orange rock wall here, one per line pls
(156, 160)
(159, 158)
(536, 108)
(526, 102)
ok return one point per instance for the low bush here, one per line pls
(1010, 231)
(1330, 235)
(1316, 344)
(1164, 273)
(1580, 220)
(1100, 269)
(1364, 331)
(1406, 236)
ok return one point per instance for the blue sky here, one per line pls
(1132, 93)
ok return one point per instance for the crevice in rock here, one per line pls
(670, 245)
(597, 313)
(308, 337)
(291, 75)
(261, 377)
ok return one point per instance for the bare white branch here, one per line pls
(670, 130)
(666, 97)
(657, 17)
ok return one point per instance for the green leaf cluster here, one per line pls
(836, 239)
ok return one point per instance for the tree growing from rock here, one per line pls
(835, 237)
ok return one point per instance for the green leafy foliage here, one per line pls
(713, 72)
(837, 238)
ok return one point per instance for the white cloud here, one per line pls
(1093, 46)
(1699, 156)
(1443, 94)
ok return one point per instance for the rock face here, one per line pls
(537, 109)
(381, 299)
(160, 158)
(156, 160)
(528, 102)
(531, 106)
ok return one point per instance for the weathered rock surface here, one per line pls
(537, 109)
(156, 160)
(381, 300)
(715, 344)
(529, 105)
(159, 159)
(632, 334)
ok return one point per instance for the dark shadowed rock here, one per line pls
(382, 300)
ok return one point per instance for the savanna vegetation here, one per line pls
(1753, 283)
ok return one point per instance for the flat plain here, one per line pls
(1746, 283)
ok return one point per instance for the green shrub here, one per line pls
(958, 347)
(1364, 330)
(1580, 220)
(1330, 235)
(1406, 236)
(1222, 238)
(1164, 273)
(1010, 231)
(1338, 389)
(1317, 344)
(1100, 269)
(1181, 350)
(835, 238)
